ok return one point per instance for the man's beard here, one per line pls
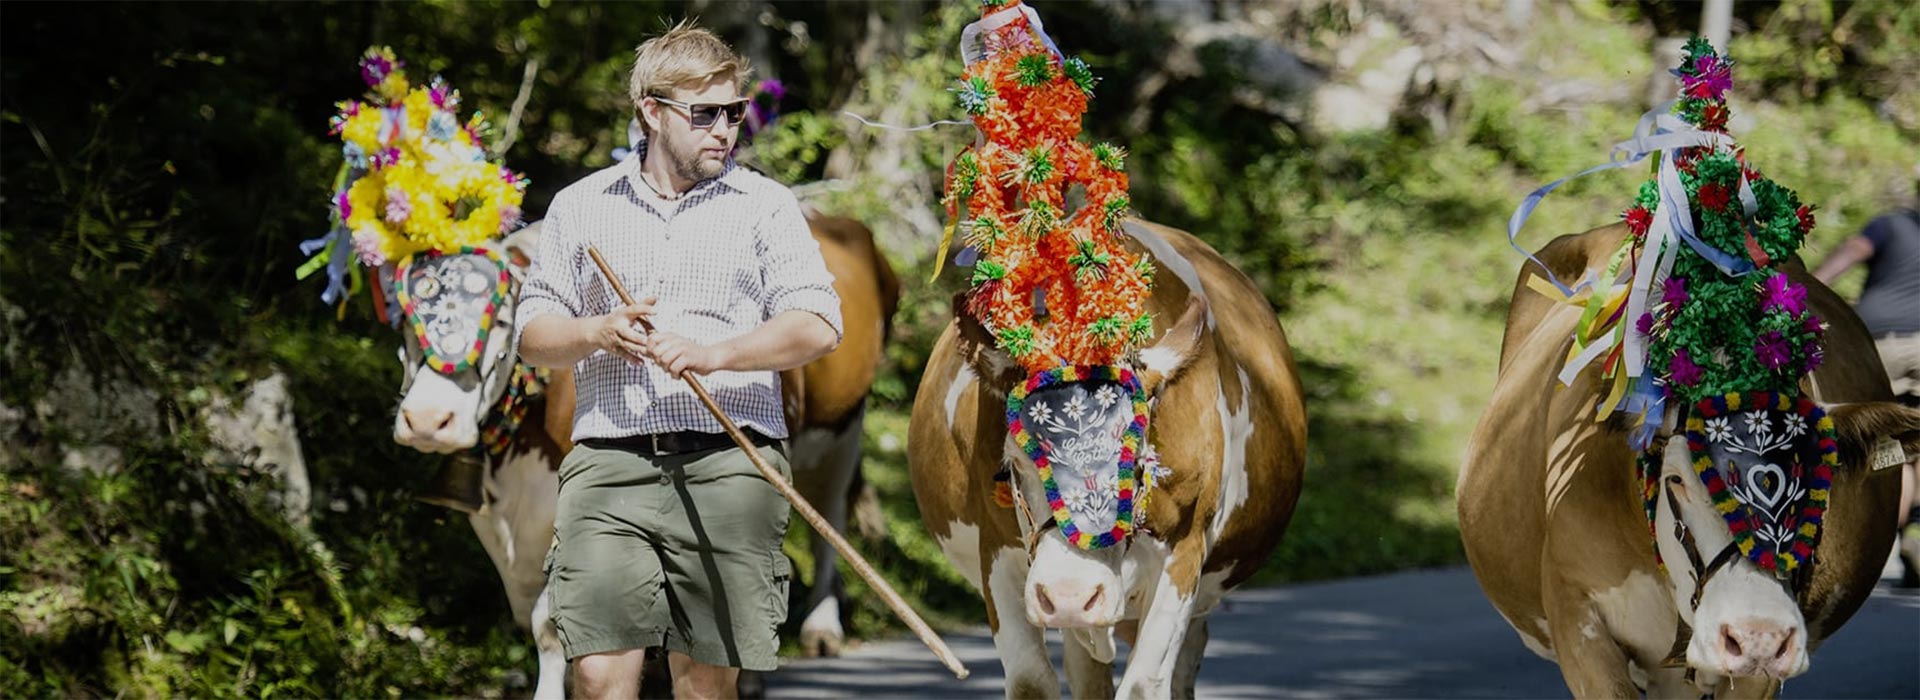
(688, 165)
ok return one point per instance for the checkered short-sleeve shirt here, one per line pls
(724, 258)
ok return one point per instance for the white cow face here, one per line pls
(1080, 427)
(439, 411)
(1066, 586)
(1747, 624)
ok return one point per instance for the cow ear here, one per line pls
(520, 247)
(970, 328)
(978, 347)
(1176, 348)
(1862, 426)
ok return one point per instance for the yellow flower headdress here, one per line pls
(415, 178)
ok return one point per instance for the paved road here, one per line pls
(1423, 634)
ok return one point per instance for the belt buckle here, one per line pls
(654, 440)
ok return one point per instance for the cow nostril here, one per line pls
(1728, 642)
(1046, 603)
(1786, 645)
(446, 419)
(1095, 598)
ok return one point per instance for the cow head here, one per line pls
(444, 401)
(1746, 620)
(1069, 584)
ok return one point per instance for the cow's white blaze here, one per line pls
(438, 414)
(1170, 260)
(1746, 624)
(1235, 430)
(962, 547)
(1163, 631)
(961, 380)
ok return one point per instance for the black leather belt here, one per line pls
(677, 442)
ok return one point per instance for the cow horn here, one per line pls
(457, 485)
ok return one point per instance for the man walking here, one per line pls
(1890, 306)
(665, 534)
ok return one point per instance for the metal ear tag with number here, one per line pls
(1888, 453)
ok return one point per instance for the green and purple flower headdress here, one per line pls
(1693, 306)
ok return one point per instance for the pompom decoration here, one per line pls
(1009, 197)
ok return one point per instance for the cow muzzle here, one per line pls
(1070, 588)
(1748, 626)
(437, 415)
(433, 430)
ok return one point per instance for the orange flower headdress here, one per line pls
(1055, 287)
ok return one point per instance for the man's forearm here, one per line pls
(784, 342)
(557, 341)
(1852, 251)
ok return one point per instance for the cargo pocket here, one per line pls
(777, 593)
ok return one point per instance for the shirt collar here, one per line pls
(733, 176)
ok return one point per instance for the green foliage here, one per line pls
(1816, 46)
(794, 150)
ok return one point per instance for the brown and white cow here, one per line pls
(1556, 529)
(826, 403)
(1227, 420)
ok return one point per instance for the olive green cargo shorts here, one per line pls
(680, 551)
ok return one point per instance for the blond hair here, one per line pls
(685, 54)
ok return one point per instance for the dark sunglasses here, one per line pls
(703, 115)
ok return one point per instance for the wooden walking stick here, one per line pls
(813, 517)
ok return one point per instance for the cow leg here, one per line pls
(825, 461)
(1186, 669)
(553, 660)
(1671, 684)
(516, 528)
(1088, 676)
(1591, 662)
(1162, 634)
(1021, 646)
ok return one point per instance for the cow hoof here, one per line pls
(820, 633)
(820, 643)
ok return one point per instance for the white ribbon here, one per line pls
(1658, 131)
(922, 127)
(971, 47)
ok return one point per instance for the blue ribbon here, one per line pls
(1645, 400)
(339, 246)
(1657, 131)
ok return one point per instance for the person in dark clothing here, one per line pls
(1890, 306)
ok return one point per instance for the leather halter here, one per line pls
(1702, 573)
(1035, 529)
